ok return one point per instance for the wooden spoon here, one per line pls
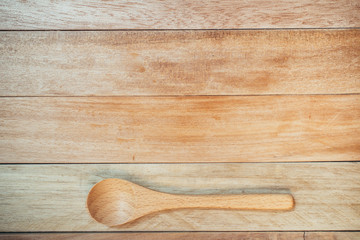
(115, 201)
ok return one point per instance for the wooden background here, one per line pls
(190, 97)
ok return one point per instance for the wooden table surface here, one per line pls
(184, 97)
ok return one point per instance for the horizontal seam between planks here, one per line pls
(182, 163)
(161, 96)
(179, 231)
(175, 29)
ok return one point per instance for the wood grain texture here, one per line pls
(157, 236)
(177, 14)
(179, 63)
(53, 197)
(187, 235)
(332, 235)
(180, 129)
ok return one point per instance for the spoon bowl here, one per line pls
(112, 202)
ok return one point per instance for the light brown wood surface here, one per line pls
(109, 63)
(53, 197)
(116, 91)
(177, 14)
(115, 202)
(189, 235)
(159, 236)
(332, 235)
(180, 129)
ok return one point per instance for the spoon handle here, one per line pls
(241, 202)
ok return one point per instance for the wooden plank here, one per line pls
(179, 62)
(52, 197)
(180, 129)
(187, 235)
(332, 236)
(156, 236)
(178, 14)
